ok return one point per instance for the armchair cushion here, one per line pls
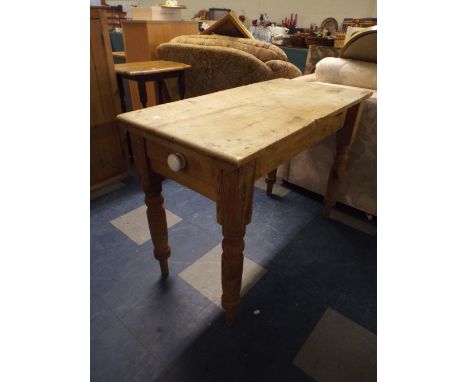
(283, 69)
(307, 78)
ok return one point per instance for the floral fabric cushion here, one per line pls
(264, 51)
(218, 63)
(213, 68)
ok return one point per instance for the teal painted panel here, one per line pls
(116, 41)
(297, 56)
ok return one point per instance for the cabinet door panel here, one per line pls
(109, 159)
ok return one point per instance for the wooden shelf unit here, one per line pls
(115, 18)
(108, 147)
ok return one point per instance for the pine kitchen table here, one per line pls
(219, 144)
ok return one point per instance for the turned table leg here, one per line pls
(270, 180)
(234, 210)
(152, 186)
(231, 270)
(344, 140)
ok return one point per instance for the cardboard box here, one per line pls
(157, 13)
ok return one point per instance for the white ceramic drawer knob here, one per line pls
(176, 162)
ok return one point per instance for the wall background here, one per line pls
(308, 11)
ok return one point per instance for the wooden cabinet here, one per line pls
(141, 39)
(109, 157)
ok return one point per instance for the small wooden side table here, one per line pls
(120, 55)
(144, 71)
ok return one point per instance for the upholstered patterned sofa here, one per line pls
(221, 62)
(310, 169)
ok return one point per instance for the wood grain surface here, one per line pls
(237, 125)
(149, 67)
(120, 55)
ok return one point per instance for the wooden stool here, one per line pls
(150, 71)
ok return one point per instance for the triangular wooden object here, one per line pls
(229, 25)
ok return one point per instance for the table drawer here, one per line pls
(200, 173)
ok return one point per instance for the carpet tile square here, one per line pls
(339, 350)
(351, 221)
(205, 275)
(117, 356)
(134, 224)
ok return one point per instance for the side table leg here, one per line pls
(270, 180)
(142, 92)
(181, 81)
(121, 93)
(159, 85)
(152, 186)
(344, 140)
(234, 210)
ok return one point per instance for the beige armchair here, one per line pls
(357, 67)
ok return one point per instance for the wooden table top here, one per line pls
(149, 67)
(236, 125)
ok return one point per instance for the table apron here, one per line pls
(200, 174)
(284, 150)
(151, 77)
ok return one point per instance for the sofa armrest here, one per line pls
(307, 78)
(283, 69)
(347, 72)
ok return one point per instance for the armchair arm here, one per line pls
(347, 72)
(283, 69)
(307, 78)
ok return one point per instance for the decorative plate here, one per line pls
(330, 24)
(173, 6)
